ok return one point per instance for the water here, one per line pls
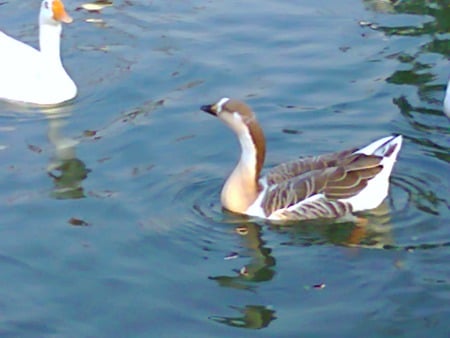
(111, 224)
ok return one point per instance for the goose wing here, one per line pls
(295, 168)
(318, 192)
(19, 67)
(15, 54)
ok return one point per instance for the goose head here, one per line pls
(234, 113)
(53, 13)
(242, 120)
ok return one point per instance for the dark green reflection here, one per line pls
(67, 178)
(65, 169)
(438, 10)
(409, 112)
(251, 317)
(260, 266)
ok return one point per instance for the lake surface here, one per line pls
(110, 219)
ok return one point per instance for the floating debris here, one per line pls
(364, 23)
(291, 131)
(78, 222)
(243, 271)
(315, 286)
(92, 20)
(371, 25)
(89, 133)
(34, 148)
(185, 137)
(190, 85)
(96, 6)
(242, 230)
(319, 286)
(104, 159)
(231, 255)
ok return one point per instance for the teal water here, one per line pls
(110, 219)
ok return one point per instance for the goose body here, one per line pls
(326, 186)
(37, 76)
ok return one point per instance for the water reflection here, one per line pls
(65, 169)
(371, 231)
(422, 71)
(252, 317)
(383, 6)
(425, 69)
(260, 267)
(437, 10)
(410, 113)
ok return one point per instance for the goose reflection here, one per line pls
(251, 317)
(372, 231)
(65, 169)
(260, 267)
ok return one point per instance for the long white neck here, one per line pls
(245, 169)
(49, 43)
(241, 188)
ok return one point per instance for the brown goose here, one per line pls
(326, 186)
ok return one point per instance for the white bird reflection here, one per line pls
(64, 168)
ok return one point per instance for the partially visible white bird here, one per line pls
(37, 76)
(325, 186)
(447, 100)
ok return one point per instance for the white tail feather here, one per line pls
(377, 188)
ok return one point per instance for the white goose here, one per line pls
(447, 100)
(327, 186)
(37, 76)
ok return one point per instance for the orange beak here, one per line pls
(59, 13)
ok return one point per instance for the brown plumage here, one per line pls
(312, 187)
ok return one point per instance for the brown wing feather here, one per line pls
(288, 170)
(346, 178)
(320, 208)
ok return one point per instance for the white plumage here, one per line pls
(447, 100)
(37, 76)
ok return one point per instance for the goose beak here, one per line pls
(59, 12)
(210, 109)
